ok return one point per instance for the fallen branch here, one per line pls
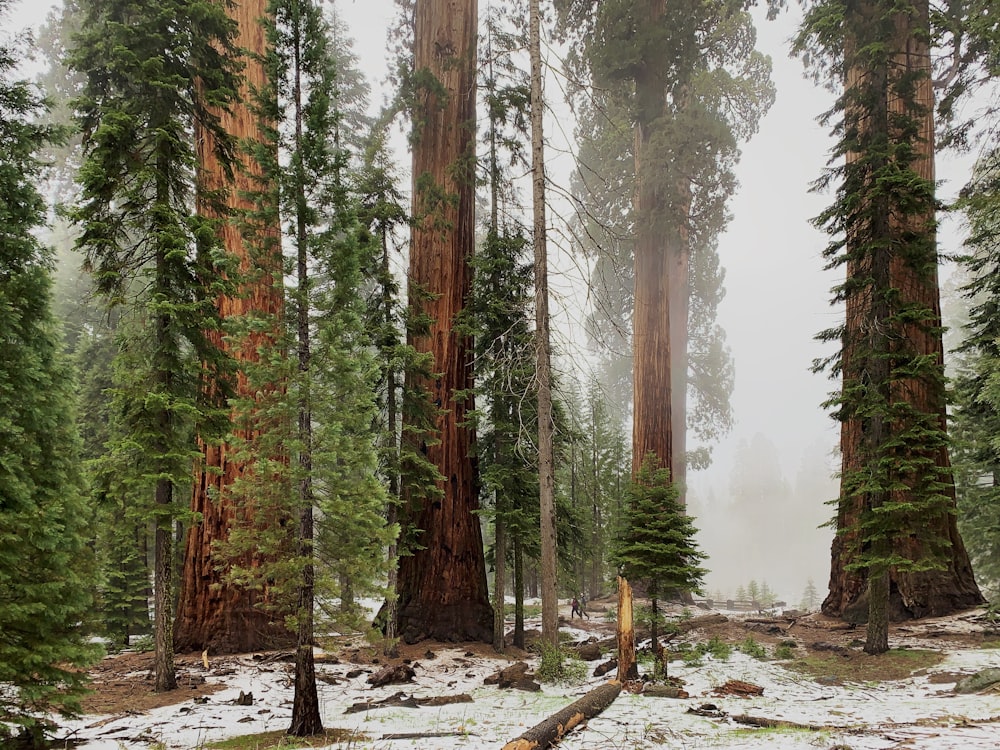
(401, 700)
(766, 723)
(557, 726)
(423, 735)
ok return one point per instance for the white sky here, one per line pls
(777, 292)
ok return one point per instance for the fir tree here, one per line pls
(656, 542)
(151, 71)
(46, 566)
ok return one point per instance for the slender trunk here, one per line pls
(165, 677)
(546, 472)
(499, 580)
(392, 510)
(518, 592)
(679, 300)
(306, 719)
(213, 613)
(442, 586)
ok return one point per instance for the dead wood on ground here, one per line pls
(557, 726)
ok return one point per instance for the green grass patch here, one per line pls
(278, 740)
(895, 664)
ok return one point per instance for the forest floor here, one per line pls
(824, 693)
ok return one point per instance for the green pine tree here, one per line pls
(151, 71)
(656, 542)
(46, 567)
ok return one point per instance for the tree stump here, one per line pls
(627, 669)
(557, 726)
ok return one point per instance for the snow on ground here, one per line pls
(913, 713)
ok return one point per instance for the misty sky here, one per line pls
(777, 291)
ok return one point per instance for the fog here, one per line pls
(760, 502)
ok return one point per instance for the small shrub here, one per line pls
(750, 647)
(783, 652)
(719, 649)
(685, 615)
(611, 614)
(143, 644)
(559, 667)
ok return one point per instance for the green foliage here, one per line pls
(46, 567)
(750, 647)
(810, 597)
(976, 386)
(656, 542)
(784, 652)
(560, 667)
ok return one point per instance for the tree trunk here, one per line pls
(306, 719)
(877, 635)
(652, 424)
(543, 360)
(930, 592)
(392, 509)
(213, 614)
(627, 669)
(165, 677)
(442, 586)
(518, 592)
(499, 579)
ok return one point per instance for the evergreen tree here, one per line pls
(897, 552)
(312, 438)
(46, 567)
(151, 71)
(656, 543)
(677, 86)
(810, 597)
(976, 387)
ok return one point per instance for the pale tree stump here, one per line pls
(627, 669)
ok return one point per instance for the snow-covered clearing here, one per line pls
(919, 712)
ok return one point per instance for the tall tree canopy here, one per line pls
(675, 87)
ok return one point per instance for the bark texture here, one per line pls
(211, 613)
(652, 428)
(553, 729)
(911, 594)
(442, 590)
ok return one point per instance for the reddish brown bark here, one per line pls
(442, 591)
(212, 613)
(652, 383)
(913, 594)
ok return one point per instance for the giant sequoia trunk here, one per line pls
(652, 429)
(442, 591)
(911, 594)
(212, 613)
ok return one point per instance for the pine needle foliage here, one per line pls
(655, 543)
(46, 567)
(151, 71)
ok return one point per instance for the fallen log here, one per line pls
(392, 675)
(678, 627)
(557, 726)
